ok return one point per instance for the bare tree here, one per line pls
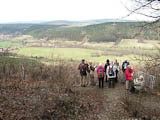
(148, 8)
(151, 10)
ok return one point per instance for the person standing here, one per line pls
(128, 73)
(105, 68)
(100, 72)
(124, 67)
(83, 67)
(111, 75)
(91, 69)
(117, 67)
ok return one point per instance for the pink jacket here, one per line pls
(98, 69)
(128, 74)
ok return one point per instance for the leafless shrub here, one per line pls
(143, 105)
(47, 92)
(133, 106)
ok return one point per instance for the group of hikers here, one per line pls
(108, 73)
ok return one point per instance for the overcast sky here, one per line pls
(47, 10)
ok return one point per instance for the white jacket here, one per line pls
(107, 72)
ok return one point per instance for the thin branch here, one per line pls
(134, 11)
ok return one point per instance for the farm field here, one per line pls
(97, 52)
(70, 54)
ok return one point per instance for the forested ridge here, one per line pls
(105, 32)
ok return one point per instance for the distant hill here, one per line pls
(68, 22)
(84, 23)
(103, 32)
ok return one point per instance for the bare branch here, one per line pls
(147, 8)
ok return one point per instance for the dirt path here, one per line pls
(112, 103)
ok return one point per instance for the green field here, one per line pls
(70, 53)
(8, 44)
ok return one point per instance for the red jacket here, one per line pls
(98, 69)
(128, 73)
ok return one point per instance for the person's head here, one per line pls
(90, 62)
(83, 60)
(100, 64)
(141, 77)
(125, 60)
(115, 60)
(107, 61)
(111, 63)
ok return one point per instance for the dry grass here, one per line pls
(46, 93)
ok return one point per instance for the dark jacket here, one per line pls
(105, 67)
(124, 65)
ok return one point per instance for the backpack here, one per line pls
(111, 71)
(83, 68)
(100, 73)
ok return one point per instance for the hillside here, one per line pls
(104, 32)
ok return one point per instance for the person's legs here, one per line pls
(132, 89)
(81, 80)
(102, 82)
(91, 79)
(109, 82)
(127, 84)
(99, 82)
(113, 82)
(85, 81)
(116, 80)
(106, 78)
(130, 84)
(124, 77)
